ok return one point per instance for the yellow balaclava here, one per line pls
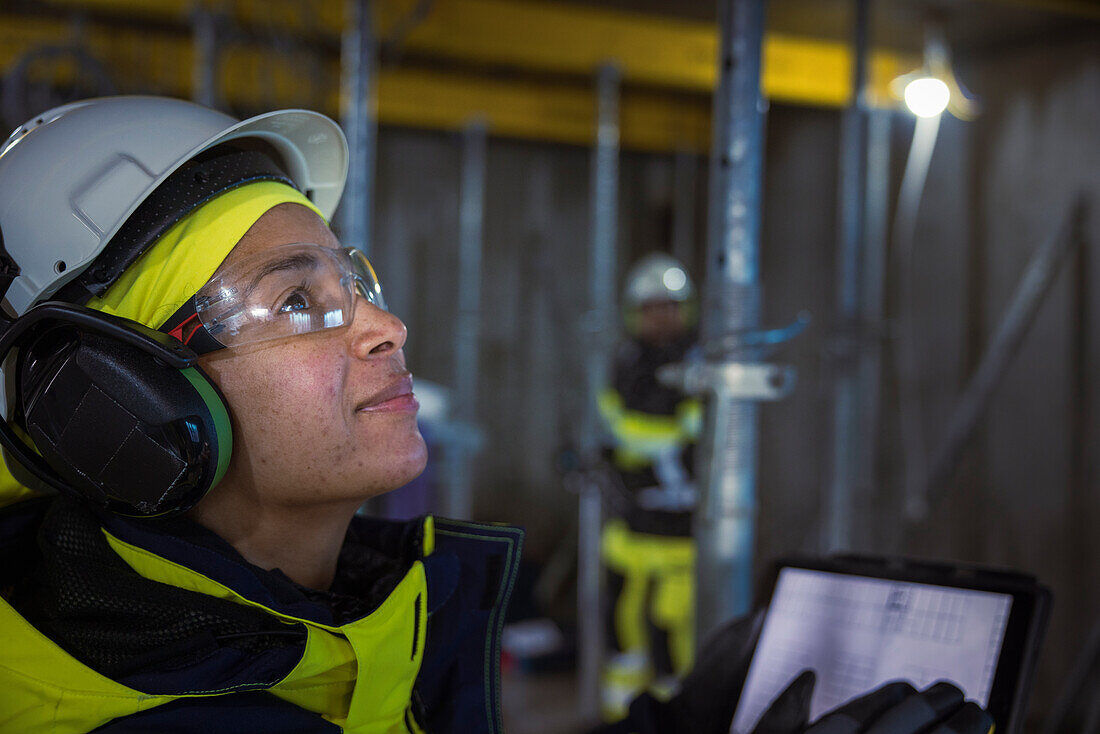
(177, 265)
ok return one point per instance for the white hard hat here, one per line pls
(657, 277)
(71, 177)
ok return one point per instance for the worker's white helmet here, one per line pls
(657, 278)
(72, 177)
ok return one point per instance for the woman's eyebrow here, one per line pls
(299, 261)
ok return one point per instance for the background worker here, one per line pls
(646, 545)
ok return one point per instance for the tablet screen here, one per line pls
(858, 632)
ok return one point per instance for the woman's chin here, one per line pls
(401, 468)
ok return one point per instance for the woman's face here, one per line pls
(321, 417)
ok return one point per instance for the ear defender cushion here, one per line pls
(121, 428)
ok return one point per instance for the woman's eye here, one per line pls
(296, 301)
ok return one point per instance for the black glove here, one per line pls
(895, 708)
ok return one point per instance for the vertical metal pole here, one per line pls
(603, 232)
(204, 72)
(357, 119)
(471, 216)
(725, 518)
(845, 463)
(603, 223)
(685, 165)
(873, 302)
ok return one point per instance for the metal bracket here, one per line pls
(736, 380)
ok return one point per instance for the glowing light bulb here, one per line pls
(927, 96)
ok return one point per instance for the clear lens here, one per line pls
(366, 281)
(287, 290)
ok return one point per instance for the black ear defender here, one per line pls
(119, 414)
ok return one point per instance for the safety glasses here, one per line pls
(284, 291)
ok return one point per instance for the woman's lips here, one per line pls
(400, 404)
(396, 397)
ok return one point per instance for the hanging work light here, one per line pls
(927, 96)
(934, 88)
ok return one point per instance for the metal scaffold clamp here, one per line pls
(734, 380)
(730, 367)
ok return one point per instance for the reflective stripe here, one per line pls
(428, 542)
(625, 549)
(640, 437)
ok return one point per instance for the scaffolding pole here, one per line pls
(685, 165)
(357, 119)
(604, 186)
(872, 299)
(724, 522)
(845, 465)
(204, 71)
(458, 502)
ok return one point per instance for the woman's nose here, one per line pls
(375, 332)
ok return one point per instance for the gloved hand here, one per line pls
(895, 708)
(708, 697)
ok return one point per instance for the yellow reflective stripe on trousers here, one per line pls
(359, 675)
(665, 563)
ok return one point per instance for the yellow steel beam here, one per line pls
(649, 121)
(254, 78)
(652, 50)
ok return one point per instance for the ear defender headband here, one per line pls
(120, 414)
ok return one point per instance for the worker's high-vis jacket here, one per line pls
(644, 417)
(120, 625)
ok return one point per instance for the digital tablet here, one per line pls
(859, 622)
